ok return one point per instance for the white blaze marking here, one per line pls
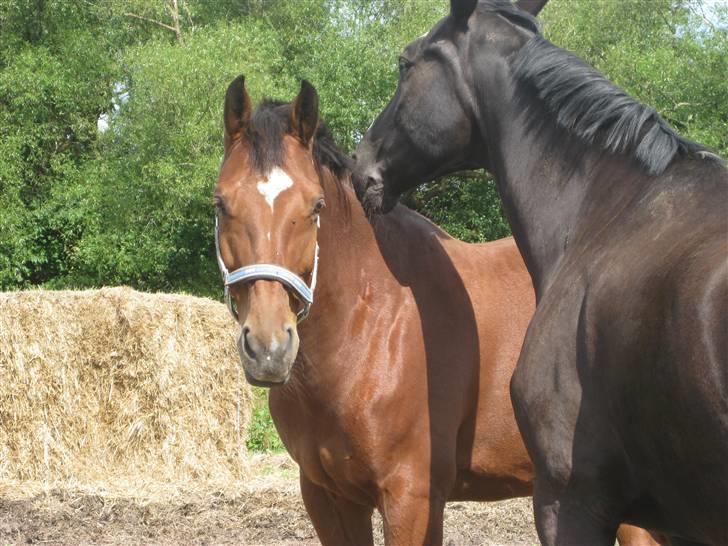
(278, 181)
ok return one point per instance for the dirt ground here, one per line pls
(265, 510)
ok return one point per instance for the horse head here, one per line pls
(268, 198)
(430, 126)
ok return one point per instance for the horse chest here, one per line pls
(334, 465)
(324, 448)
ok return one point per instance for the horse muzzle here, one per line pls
(372, 193)
(267, 359)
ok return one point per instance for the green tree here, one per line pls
(131, 205)
(148, 190)
(49, 102)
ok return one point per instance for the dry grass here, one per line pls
(116, 386)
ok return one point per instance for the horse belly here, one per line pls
(492, 461)
(471, 486)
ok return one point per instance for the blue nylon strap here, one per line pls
(271, 272)
(251, 273)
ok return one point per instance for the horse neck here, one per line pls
(546, 178)
(345, 233)
(345, 243)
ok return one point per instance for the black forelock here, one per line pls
(596, 111)
(264, 134)
(270, 122)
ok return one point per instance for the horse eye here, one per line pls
(320, 204)
(219, 205)
(404, 64)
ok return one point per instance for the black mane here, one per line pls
(595, 110)
(271, 122)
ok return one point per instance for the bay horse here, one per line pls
(621, 389)
(393, 393)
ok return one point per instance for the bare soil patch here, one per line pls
(265, 510)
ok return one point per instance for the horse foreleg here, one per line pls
(563, 520)
(412, 517)
(338, 522)
(628, 535)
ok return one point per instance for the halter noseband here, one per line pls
(270, 272)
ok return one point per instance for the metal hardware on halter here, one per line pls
(270, 272)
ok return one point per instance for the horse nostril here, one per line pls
(353, 156)
(289, 331)
(246, 344)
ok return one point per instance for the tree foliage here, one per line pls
(85, 207)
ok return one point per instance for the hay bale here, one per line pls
(114, 384)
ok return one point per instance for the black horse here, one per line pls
(621, 390)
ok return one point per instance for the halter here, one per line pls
(270, 272)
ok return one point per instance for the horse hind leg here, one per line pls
(338, 521)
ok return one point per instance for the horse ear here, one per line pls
(237, 110)
(462, 9)
(533, 7)
(305, 114)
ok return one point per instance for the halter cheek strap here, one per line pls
(271, 272)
